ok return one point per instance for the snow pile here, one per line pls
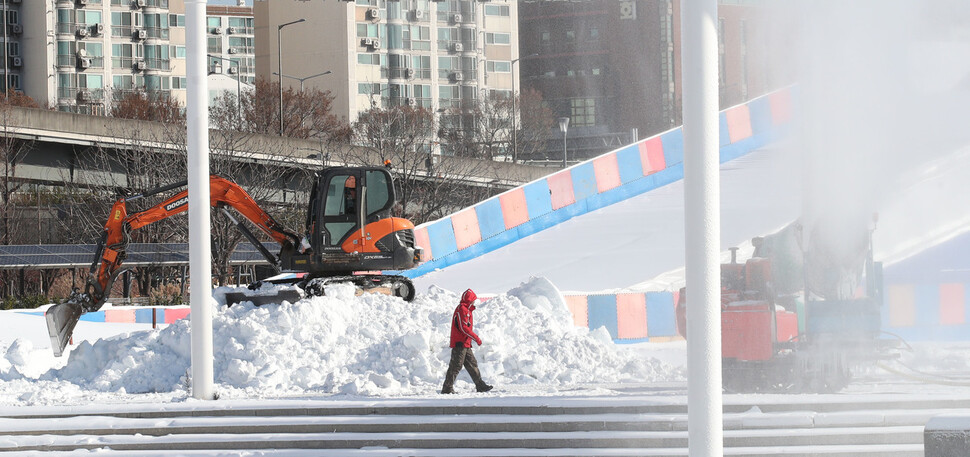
(371, 345)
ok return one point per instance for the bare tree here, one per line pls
(428, 185)
(307, 114)
(536, 120)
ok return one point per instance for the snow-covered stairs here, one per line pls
(477, 426)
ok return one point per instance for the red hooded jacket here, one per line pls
(462, 322)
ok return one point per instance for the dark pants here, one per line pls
(462, 356)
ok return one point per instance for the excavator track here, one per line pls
(395, 285)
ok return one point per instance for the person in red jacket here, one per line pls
(462, 335)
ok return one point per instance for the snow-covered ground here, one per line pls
(340, 344)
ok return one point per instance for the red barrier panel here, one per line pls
(466, 228)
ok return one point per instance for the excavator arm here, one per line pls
(113, 245)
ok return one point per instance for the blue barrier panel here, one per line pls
(661, 319)
(441, 235)
(673, 142)
(927, 305)
(93, 317)
(584, 181)
(602, 313)
(144, 315)
(723, 134)
(490, 219)
(538, 198)
(760, 110)
(629, 163)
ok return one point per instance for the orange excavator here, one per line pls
(350, 233)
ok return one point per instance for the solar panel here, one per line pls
(139, 254)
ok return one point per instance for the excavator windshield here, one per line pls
(345, 191)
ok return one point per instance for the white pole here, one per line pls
(703, 225)
(200, 254)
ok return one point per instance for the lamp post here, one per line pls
(301, 80)
(515, 114)
(238, 85)
(279, 62)
(564, 126)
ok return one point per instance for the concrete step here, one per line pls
(472, 426)
(446, 440)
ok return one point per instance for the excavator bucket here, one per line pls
(61, 320)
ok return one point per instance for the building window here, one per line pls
(214, 45)
(213, 24)
(88, 17)
(370, 30)
(175, 20)
(496, 10)
(179, 82)
(13, 17)
(369, 59)
(582, 112)
(545, 37)
(498, 38)
(447, 65)
(570, 35)
(498, 66)
(594, 34)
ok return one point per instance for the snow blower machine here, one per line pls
(799, 319)
(350, 236)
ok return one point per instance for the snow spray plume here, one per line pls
(871, 105)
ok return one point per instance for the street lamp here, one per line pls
(238, 85)
(301, 80)
(564, 126)
(515, 114)
(279, 61)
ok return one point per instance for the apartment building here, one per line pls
(432, 54)
(77, 54)
(231, 38)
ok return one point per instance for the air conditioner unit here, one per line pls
(409, 101)
(16, 29)
(81, 53)
(83, 62)
(97, 29)
(233, 70)
(141, 34)
(457, 76)
(376, 44)
(139, 65)
(16, 62)
(231, 30)
(409, 73)
(82, 2)
(82, 32)
(233, 50)
(374, 13)
(83, 95)
(367, 41)
(456, 17)
(217, 31)
(457, 47)
(418, 14)
(138, 3)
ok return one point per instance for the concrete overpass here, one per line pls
(64, 141)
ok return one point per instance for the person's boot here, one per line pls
(447, 390)
(484, 388)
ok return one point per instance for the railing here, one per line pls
(122, 62)
(124, 31)
(158, 64)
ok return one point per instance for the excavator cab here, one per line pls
(350, 228)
